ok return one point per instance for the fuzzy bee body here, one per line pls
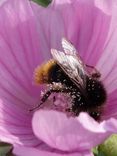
(87, 92)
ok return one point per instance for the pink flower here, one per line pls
(27, 33)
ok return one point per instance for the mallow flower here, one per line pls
(27, 34)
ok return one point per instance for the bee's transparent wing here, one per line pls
(71, 64)
(70, 50)
(68, 47)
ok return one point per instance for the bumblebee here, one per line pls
(66, 73)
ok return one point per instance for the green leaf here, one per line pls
(95, 151)
(42, 2)
(6, 149)
(109, 147)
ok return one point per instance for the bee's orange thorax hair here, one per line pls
(41, 73)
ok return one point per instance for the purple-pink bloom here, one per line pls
(27, 33)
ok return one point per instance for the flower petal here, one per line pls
(23, 151)
(68, 134)
(51, 27)
(84, 23)
(110, 109)
(108, 60)
(19, 45)
(19, 55)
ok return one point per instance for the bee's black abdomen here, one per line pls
(91, 100)
(96, 92)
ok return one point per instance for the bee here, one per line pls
(66, 73)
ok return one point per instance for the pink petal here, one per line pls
(23, 151)
(51, 27)
(108, 61)
(110, 109)
(19, 55)
(19, 45)
(84, 23)
(26, 42)
(68, 134)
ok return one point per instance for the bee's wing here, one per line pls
(72, 66)
(68, 47)
(70, 50)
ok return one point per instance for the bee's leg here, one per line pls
(54, 88)
(43, 99)
(95, 74)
